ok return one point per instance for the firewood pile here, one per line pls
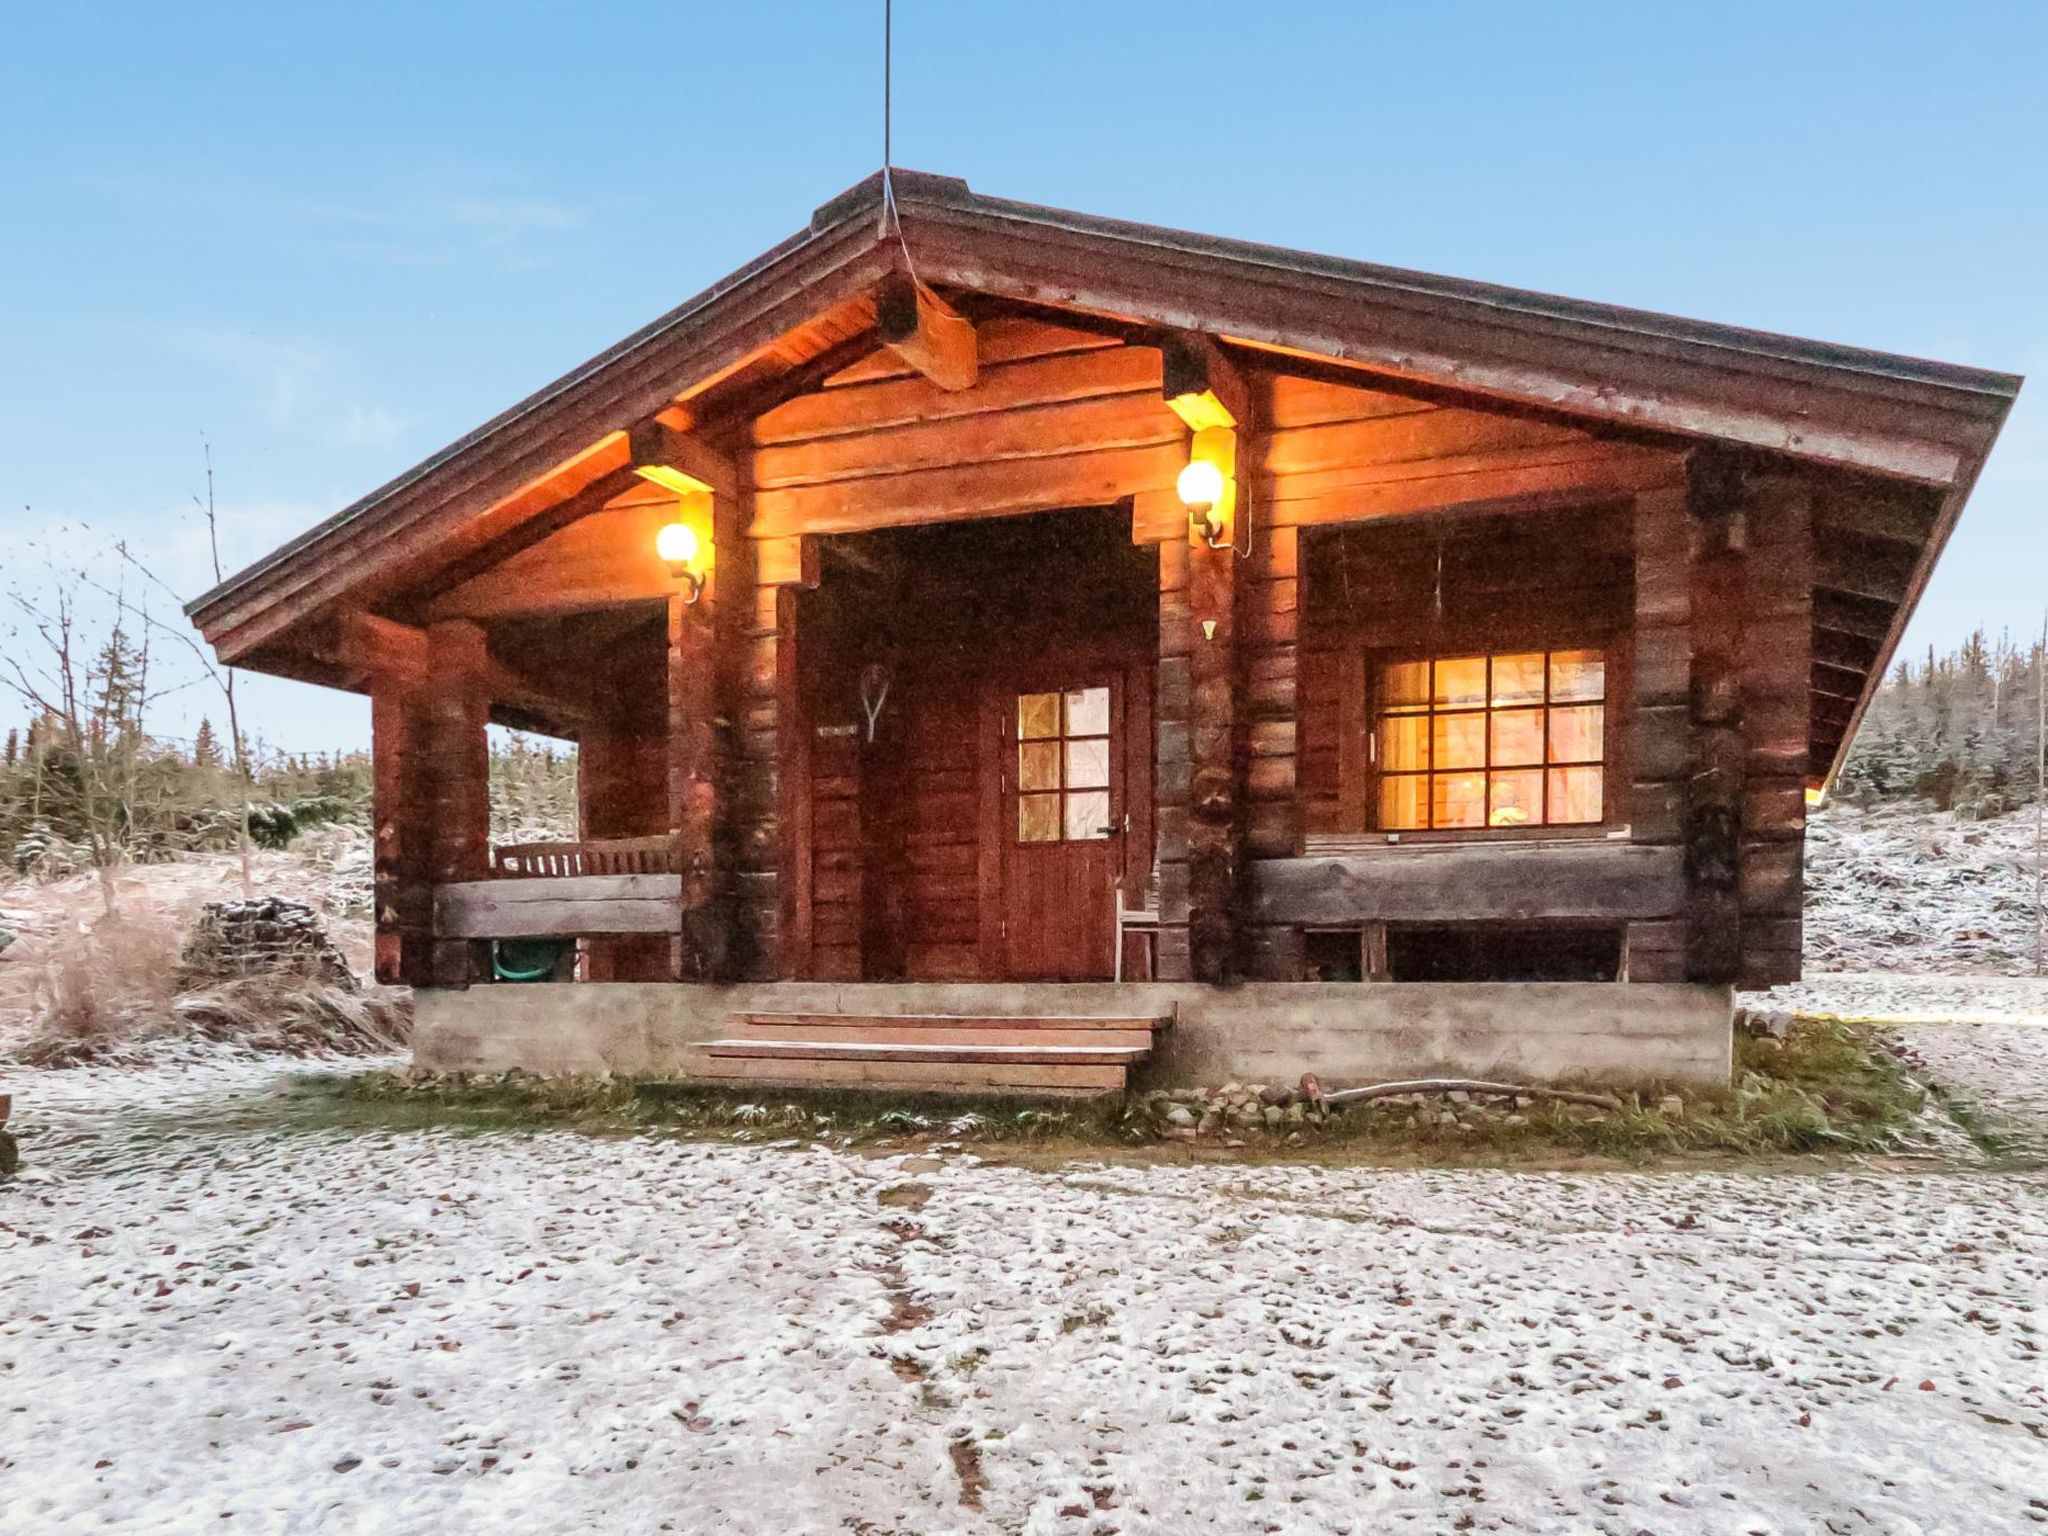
(269, 936)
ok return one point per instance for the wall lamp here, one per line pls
(685, 545)
(1207, 487)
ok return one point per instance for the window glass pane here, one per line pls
(1575, 733)
(1404, 742)
(1088, 712)
(1404, 802)
(1088, 764)
(1038, 715)
(1406, 682)
(1038, 818)
(1460, 740)
(1458, 800)
(1038, 765)
(1575, 794)
(1517, 799)
(1518, 679)
(1088, 816)
(1517, 736)
(1577, 675)
(1460, 683)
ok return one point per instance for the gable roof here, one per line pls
(1922, 423)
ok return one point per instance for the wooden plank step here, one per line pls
(883, 1032)
(865, 1050)
(1059, 1021)
(911, 1076)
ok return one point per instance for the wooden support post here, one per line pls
(458, 775)
(402, 881)
(1215, 787)
(693, 785)
(1777, 640)
(1717, 495)
(926, 332)
(1660, 737)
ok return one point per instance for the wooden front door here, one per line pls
(1062, 827)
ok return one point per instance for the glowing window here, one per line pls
(1063, 766)
(1511, 740)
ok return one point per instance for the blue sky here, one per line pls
(330, 239)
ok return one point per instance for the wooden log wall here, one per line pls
(765, 839)
(622, 791)
(1058, 418)
(1445, 586)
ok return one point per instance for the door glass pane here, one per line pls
(1461, 740)
(1517, 799)
(1038, 715)
(1458, 800)
(1460, 682)
(1404, 802)
(1518, 736)
(1577, 675)
(1088, 712)
(1407, 683)
(1088, 764)
(1038, 765)
(1038, 818)
(1575, 733)
(1404, 742)
(1575, 794)
(1518, 679)
(1088, 816)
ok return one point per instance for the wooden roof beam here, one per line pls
(926, 332)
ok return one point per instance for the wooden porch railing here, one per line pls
(654, 855)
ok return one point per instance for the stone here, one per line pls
(1671, 1106)
(1275, 1115)
(1459, 1096)
(1272, 1094)
(1297, 1140)
(1179, 1115)
(1296, 1113)
(1516, 1120)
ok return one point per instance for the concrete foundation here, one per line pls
(1620, 1033)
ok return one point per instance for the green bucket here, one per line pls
(527, 959)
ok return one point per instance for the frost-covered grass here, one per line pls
(216, 1312)
(1829, 1087)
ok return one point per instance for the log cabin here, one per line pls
(992, 635)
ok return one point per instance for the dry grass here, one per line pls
(83, 987)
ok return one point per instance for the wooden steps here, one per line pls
(1045, 1056)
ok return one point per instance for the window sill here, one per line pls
(1393, 842)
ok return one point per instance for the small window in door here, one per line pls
(1063, 766)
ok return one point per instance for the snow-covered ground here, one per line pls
(213, 1323)
(1905, 888)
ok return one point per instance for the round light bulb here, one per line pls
(676, 543)
(1200, 485)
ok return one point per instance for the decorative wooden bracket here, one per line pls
(1202, 386)
(657, 443)
(926, 332)
(370, 648)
